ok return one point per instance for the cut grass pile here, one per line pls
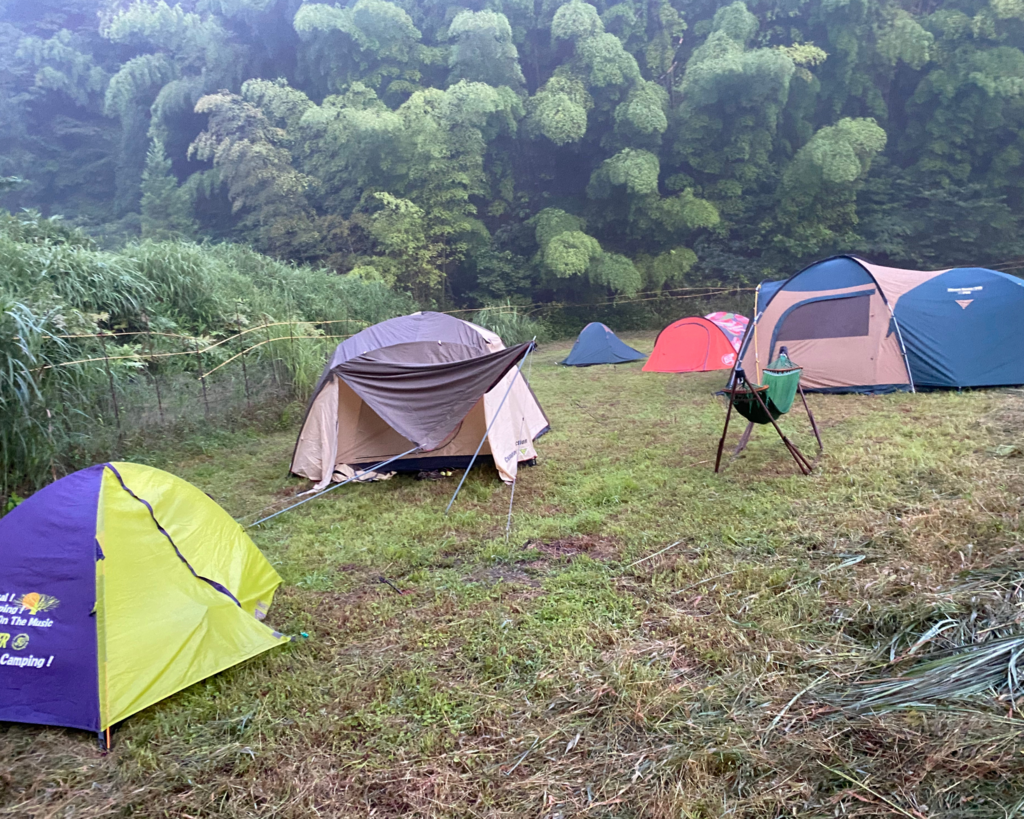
(651, 641)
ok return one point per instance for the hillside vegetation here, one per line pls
(526, 151)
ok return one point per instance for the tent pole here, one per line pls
(519, 369)
(744, 343)
(373, 468)
(757, 358)
(508, 525)
(899, 335)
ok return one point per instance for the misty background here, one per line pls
(473, 153)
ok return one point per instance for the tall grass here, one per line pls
(151, 302)
(36, 403)
(513, 326)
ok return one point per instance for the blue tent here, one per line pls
(597, 344)
(860, 327)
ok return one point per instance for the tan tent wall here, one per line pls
(318, 438)
(896, 282)
(519, 422)
(342, 429)
(830, 363)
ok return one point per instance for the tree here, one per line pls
(559, 110)
(567, 252)
(483, 51)
(166, 207)
(247, 152)
(411, 260)
(636, 171)
(732, 102)
(818, 204)
(373, 42)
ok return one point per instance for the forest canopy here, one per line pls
(471, 153)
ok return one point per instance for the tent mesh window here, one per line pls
(842, 317)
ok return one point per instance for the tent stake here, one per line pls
(519, 369)
(744, 440)
(373, 468)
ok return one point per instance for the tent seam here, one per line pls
(222, 589)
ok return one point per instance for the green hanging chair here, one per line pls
(765, 403)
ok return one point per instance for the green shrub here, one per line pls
(513, 326)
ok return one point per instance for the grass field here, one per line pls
(652, 640)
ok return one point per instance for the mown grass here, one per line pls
(580, 667)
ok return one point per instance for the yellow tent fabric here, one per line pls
(212, 542)
(177, 590)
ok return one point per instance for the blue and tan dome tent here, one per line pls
(121, 585)
(855, 326)
(597, 344)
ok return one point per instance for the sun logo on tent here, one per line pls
(36, 602)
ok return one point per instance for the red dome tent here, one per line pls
(698, 344)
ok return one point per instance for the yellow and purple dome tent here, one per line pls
(121, 585)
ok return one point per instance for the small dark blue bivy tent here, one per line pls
(855, 326)
(597, 344)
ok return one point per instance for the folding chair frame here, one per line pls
(802, 462)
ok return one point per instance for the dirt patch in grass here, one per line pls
(598, 548)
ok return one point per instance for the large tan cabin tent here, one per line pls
(427, 380)
(854, 326)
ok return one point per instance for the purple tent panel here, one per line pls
(48, 661)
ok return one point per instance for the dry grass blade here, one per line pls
(953, 676)
(901, 810)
